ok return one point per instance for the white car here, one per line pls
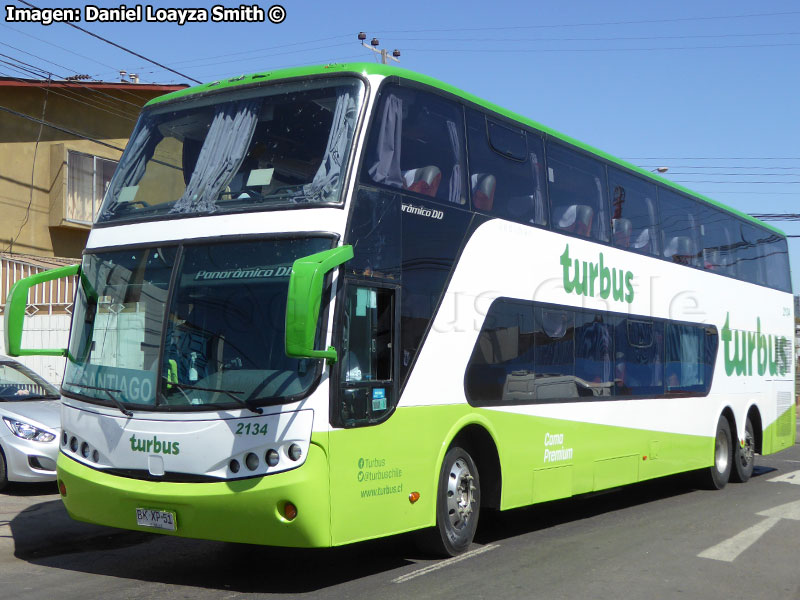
(30, 424)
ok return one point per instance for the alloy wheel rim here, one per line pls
(460, 494)
(722, 452)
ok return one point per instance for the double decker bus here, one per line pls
(328, 304)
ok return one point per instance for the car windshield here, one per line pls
(215, 339)
(18, 382)
(239, 150)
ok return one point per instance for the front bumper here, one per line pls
(244, 510)
(29, 461)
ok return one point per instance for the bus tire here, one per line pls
(458, 502)
(744, 456)
(716, 476)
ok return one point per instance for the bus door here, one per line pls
(364, 480)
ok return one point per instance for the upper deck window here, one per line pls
(238, 151)
(416, 144)
(577, 186)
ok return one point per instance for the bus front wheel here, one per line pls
(744, 456)
(716, 476)
(458, 502)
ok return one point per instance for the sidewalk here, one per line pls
(34, 523)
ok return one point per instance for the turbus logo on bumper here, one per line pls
(154, 446)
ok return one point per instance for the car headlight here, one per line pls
(27, 431)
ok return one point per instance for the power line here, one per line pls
(56, 45)
(724, 167)
(94, 35)
(553, 26)
(735, 174)
(335, 37)
(717, 193)
(59, 128)
(239, 60)
(554, 50)
(93, 104)
(776, 216)
(598, 39)
(27, 216)
(220, 75)
(65, 81)
(735, 182)
(636, 158)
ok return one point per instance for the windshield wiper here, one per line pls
(38, 397)
(231, 394)
(111, 396)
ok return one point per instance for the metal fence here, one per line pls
(51, 297)
(48, 312)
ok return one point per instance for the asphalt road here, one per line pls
(661, 539)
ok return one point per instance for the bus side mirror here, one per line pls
(17, 302)
(304, 300)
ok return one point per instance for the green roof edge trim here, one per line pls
(389, 71)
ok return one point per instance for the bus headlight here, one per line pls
(26, 431)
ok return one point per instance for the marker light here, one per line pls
(289, 511)
(251, 460)
(295, 452)
(62, 488)
(413, 497)
(272, 458)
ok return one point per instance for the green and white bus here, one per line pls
(328, 304)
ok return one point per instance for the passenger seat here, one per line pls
(424, 180)
(483, 187)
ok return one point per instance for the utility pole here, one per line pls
(373, 45)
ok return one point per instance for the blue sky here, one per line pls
(706, 88)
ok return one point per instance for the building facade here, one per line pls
(59, 144)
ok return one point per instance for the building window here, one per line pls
(88, 177)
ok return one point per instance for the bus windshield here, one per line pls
(235, 151)
(181, 327)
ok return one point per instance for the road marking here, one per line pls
(444, 563)
(791, 477)
(790, 510)
(731, 548)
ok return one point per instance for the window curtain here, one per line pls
(600, 232)
(538, 193)
(455, 178)
(222, 152)
(141, 148)
(387, 168)
(327, 178)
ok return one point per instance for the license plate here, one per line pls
(160, 519)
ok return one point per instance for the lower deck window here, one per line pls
(528, 352)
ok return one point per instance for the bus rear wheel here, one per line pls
(717, 475)
(458, 502)
(744, 457)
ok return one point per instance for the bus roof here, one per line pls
(367, 68)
